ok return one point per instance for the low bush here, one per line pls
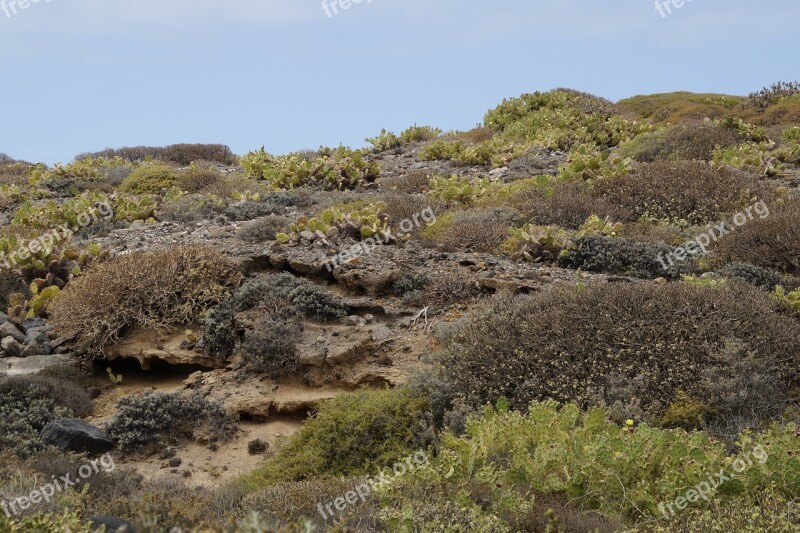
(151, 418)
(28, 403)
(381, 430)
(156, 289)
(756, 276)
(689, 141)
(617, 255)
(690, 191)
(150, 179)
(181, 154)
(449, 287)
(414, 181)
(263, 229)
(285, 503)
(772, 242)
(191, 207)
(416, 134)
(629, 346)
(199, 178)
(774, 93)
(564, 204)
(271, 347)
(478, 231)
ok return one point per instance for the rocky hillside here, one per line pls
(565, 319)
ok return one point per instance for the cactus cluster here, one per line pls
(331, 169)
(335, 223)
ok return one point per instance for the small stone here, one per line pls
(175, 462)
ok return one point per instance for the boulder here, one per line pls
(11, 348)
(76, 435)
(7, 329)
(4, 317)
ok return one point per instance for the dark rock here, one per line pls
(110, 524)
(4, 317)
(32, 323)
(175, 462)
(76, 435)
(36, 336)
(46, 348)
(7, 329)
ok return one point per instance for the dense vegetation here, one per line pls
(545, 402)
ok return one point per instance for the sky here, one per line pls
(83, 75)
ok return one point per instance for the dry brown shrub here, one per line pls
(414, 181)
(567, 205)
(474, 235)
(449, 287)
(476, 135)
(155, 290)
(693, 140)
(772, 242)
(693, 191)
(634, 345)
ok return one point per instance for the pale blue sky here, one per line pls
(80, 75)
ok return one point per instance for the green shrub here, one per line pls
(561, 119)
(385, 141)
(588, 163)
(334, 169)
(158, 290)
(762, 512)
(47, 523)
(416, 133)
(150, 179)
(621, 472)
(146, 419)
(358, 433)
(632, 344)
(462, 189)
